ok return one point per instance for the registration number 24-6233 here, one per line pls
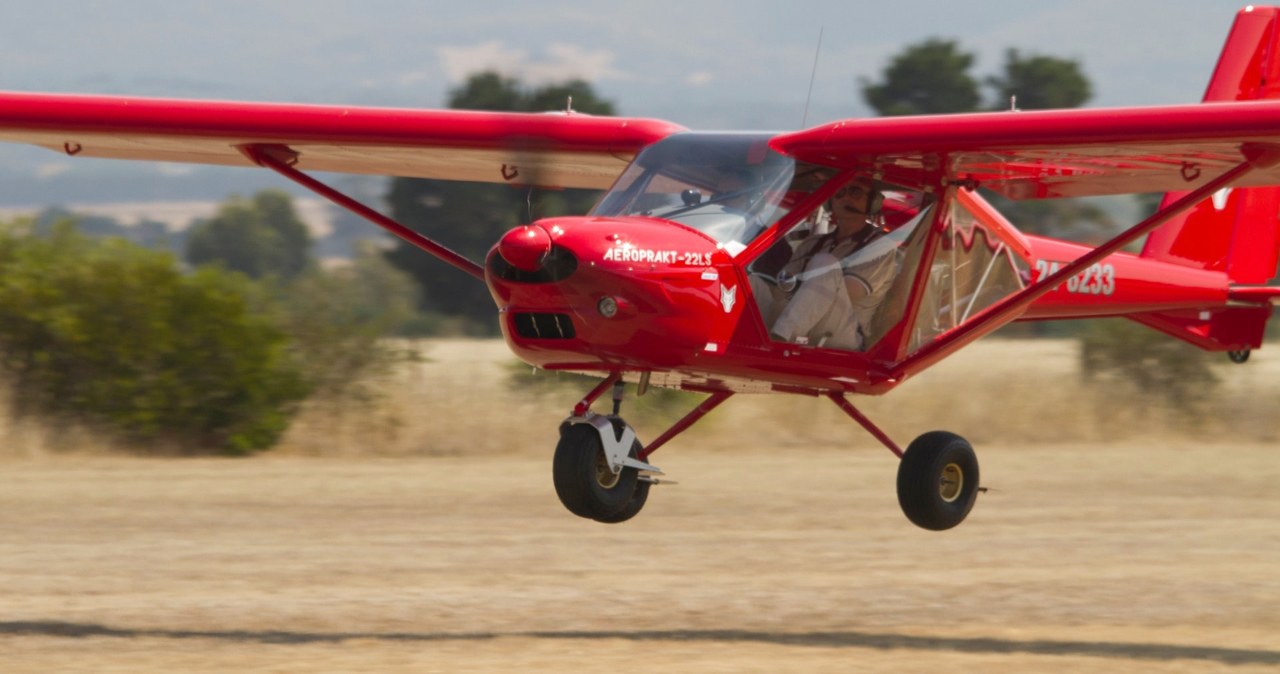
(1098, 279)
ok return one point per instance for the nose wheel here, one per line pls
(587, 482)
(601, 471)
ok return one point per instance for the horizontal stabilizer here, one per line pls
(1226, 329)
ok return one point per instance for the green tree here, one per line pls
(929, 77)
(147, 232)
(114, 334)
(470, 218)
(1039, 83)
(259, 237)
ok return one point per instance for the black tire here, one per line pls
(938, 480)
(582, 477)
(638, 499)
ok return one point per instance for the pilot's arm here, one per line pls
(866, 283)
(857, 287)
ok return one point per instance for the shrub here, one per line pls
(115, 334)
(1162, 369)
(338, 320)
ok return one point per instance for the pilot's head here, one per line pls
(860, 197)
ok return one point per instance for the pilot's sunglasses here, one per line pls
(850, 189)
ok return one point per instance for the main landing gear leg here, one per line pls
(937, 474)
(600, 469)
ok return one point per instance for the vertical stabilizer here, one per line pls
(1238, 230)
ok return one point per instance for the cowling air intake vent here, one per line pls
(544, 326)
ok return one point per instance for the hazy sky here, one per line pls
(695, 62)
(718, 64)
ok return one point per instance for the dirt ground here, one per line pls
(422, 534)
(1156, 558)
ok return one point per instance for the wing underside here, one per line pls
(1059, 153)
(560, 149)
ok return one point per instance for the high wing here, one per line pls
(565, 149)
(1056, 153)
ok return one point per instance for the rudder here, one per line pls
(1237, 231)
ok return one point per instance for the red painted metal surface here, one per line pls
(857, 415)
(1236, 231)
(1246, 69)
(584, 405)
(525, 248)
(559, 149)
(1222, 329)
(685, 422)
(664, 279)
(1134, 128)
(277, 158)
(1260, 295)
(287, 123)
(1131, 284)
(1052, 153)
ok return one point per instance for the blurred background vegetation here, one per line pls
(212, 338)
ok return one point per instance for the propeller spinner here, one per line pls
(525, 247)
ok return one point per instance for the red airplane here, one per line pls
(836, 260)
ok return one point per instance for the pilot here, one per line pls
(829, 290)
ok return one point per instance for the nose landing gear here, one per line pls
(597, 470)
(587, 482)
(600, 470)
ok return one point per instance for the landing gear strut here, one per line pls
(601, 470)
(937, 474)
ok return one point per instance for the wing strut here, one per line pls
(280, 158)
(1256, 155)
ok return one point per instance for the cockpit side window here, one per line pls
(973, 268)
(834, 279)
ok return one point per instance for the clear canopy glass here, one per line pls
(729, 186)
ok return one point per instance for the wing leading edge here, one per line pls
(561, 149)
(1055, 153)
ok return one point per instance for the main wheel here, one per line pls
(938, 480)
(583, 480)
(633, 507)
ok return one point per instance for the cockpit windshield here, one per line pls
(729, 186)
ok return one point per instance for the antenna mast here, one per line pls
(804, 121)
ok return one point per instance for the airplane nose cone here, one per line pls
(525, 248)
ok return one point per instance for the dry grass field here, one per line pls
(421, 534)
